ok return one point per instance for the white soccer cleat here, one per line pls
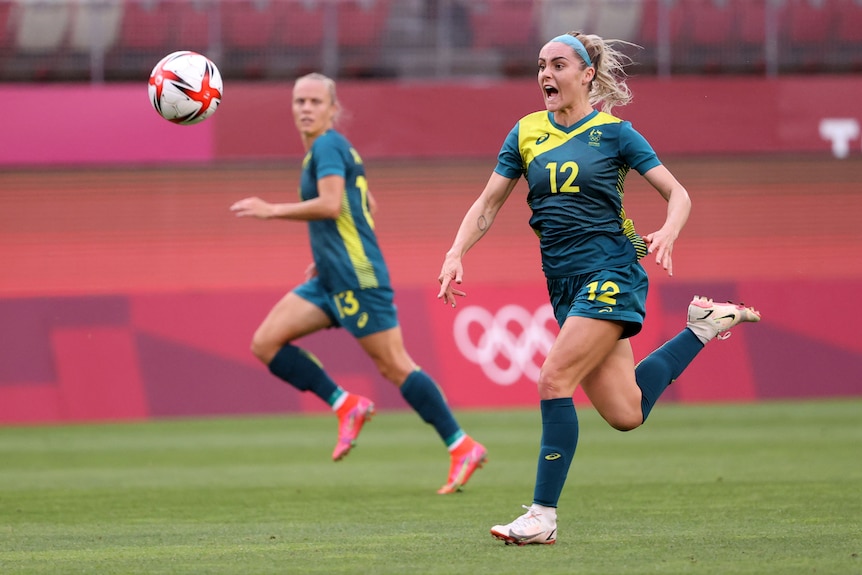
(530, 528)
(709, 320)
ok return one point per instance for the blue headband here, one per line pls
(576, 44)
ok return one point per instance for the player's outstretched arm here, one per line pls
(474, 226)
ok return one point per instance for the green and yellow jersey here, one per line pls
(345, 250)
(576, 177)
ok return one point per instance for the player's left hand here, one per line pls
(660, 243)
(253, 207)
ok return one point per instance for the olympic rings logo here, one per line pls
(507, 345)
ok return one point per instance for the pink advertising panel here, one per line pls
(115, 124)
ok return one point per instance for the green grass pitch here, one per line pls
(746, 489)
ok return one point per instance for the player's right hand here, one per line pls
(452, 272)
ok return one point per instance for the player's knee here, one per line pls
(626, 421)
(392, 372)
(262, 349)
(551, 387)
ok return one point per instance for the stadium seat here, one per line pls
(300, 23)
(502, 23)
(362, 27)
(297, 38)
(709, 23)
(507, 31)
(848, 35)
(362, 22)
(751, 33)
(247, 24)
(192, 21)
(709, 31)
(247, 30)
(42, 26)
(805, 32)
(7, 27)
(648, 34)
(751, 28)
(807, 21)
(557, 17)
(95, 26)
(146, 25)
(617, 19)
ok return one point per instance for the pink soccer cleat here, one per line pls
(709, 320)
(530, 528)
(467, 458)
(351, 417)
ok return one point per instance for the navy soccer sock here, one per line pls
(658, 370)
(559, 441)
(425, 397)
(303, 371)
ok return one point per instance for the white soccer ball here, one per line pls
(185, 87)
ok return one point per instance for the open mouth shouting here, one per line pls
(552, 94)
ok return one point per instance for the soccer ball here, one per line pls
(185, 87)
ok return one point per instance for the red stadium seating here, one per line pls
(848, 34)
(751, 33)
(151, 29)
(648, 37)
(300, 23)
(247, 28)
(752, 22)
(146, 25)
(709, 30)
(505, 29)
(502, 23)
(362, 26)
(362, 22)
(247, 24)
(42, 28)
(807, 21)
(192, 24)
(709, 23)
(7, 30)
(806, 28)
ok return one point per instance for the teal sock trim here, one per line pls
(453, 438)
(336, 395)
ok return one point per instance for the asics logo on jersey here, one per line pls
(508, 345)
(363, 319)
(552, 456)
(542, 139)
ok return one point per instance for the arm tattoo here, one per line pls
(482, 223)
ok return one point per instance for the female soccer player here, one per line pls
(346, 286)
(575, 159)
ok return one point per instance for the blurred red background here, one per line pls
(128, 290)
